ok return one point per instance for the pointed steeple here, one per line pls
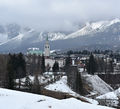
(47, 38)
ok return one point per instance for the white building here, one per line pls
(50, 62)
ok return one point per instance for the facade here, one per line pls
(47, 48)
(50, 62)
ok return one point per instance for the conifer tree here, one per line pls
(111, 66)
(79, 84)
(91, 65)
(68, 61)
(11, 72)
(36, 84)
(16, 68)
(28, 82)
(21, 65)
(56, 67)
(43, 64)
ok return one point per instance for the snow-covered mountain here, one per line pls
(95, 35)
(92, 28)
(16, 38)
(14, 31)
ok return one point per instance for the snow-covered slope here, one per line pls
(19, 100)
(60, 86)
(111, 95)
(97, 84)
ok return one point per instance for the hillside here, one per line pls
(95, 85)
(22, 100)
(92, 83)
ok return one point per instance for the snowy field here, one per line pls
(20, 100)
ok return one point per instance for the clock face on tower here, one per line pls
(46, 46)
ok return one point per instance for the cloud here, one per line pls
(57, 14)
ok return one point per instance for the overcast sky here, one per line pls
(57, 14)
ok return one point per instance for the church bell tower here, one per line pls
(47, 48)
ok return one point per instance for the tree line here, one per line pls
(87, 52)
(99, 65)
(16, 68)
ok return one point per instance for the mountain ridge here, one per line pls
(17, 39)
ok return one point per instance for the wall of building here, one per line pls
(52, 61)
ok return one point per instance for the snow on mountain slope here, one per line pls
(33, 37)
(97, 84)
(92, 28)
(17, 38)
(105, 34)
(20, 100)
(51, 35)
(56, 36)
(13, 30)
(3, 37)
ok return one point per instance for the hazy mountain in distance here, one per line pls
(95, 35)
